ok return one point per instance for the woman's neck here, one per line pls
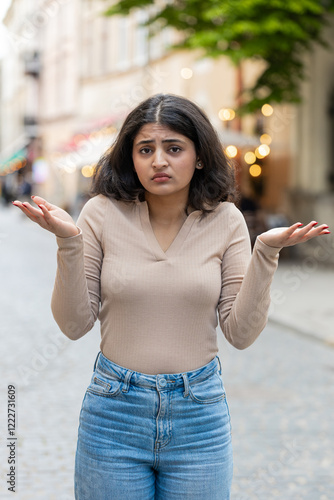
(166, 210)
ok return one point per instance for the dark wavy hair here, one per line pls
(215, 182)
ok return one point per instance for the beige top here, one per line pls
(158, 310)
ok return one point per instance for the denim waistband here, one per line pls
(163, 380)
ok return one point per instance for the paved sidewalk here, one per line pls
(50, 373)
(303, 298)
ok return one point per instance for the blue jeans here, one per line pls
(147, 437)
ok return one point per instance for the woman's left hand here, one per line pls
(287, 236)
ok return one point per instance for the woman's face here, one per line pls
(164, 160)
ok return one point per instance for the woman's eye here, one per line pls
(175, 149)
(145, 151)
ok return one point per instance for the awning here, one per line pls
(88, 152)
(86, 146)
(15, 162)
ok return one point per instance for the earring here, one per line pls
(199, 164)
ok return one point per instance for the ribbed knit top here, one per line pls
(159, 309)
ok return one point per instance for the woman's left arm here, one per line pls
(245, 296)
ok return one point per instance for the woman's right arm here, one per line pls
(76, 295)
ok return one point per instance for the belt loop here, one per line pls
(97, 357)
(126, 382)
(220, 365)
(186, 385)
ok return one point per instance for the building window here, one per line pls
(141, 44)
(123, 60)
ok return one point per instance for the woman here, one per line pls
(158, 255)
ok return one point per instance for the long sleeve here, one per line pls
(76, 294)
(158, 310)
(246, 280)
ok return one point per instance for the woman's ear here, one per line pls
(199, 164)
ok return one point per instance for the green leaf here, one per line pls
(280, 32)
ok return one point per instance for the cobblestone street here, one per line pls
(280, 390)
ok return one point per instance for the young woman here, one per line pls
(160, 255)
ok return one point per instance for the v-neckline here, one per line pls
(179, 239)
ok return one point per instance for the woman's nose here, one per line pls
(159, 159)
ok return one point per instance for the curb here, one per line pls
(324, 338)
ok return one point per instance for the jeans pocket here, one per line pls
(103, 386)
(208, 391)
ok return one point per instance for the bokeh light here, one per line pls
(267, 110)
(250, 157)
(255, 170)
(226, 114)
(231, 151)
(265, 139)
(186, 73)
(262, 151)
(88, 170)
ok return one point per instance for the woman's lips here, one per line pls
(160, 178)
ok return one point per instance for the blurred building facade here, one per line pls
(72, 75)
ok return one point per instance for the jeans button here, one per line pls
(162, 382)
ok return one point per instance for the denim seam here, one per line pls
(167, 422)
(103, 394)
(207, 401)
(108, 374)
(147, 385)
(103, 384)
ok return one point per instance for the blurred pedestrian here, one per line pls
(24, 188)
(8, 188)
(159, 254)
(253, 215)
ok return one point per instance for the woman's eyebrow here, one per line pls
(148, 141)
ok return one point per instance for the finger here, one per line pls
(310, 231)
(302, 232)
(317, 231)
(324, 229)
(293, 228)
(31, 210)
(309, 226)
(46, 220)
(45, 212)
(41, 201)
(25, 210)
(20, 204)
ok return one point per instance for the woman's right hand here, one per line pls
(49, 217)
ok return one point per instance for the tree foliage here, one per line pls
(278, 32)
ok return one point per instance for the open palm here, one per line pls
(287, 236)
(49, 217)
